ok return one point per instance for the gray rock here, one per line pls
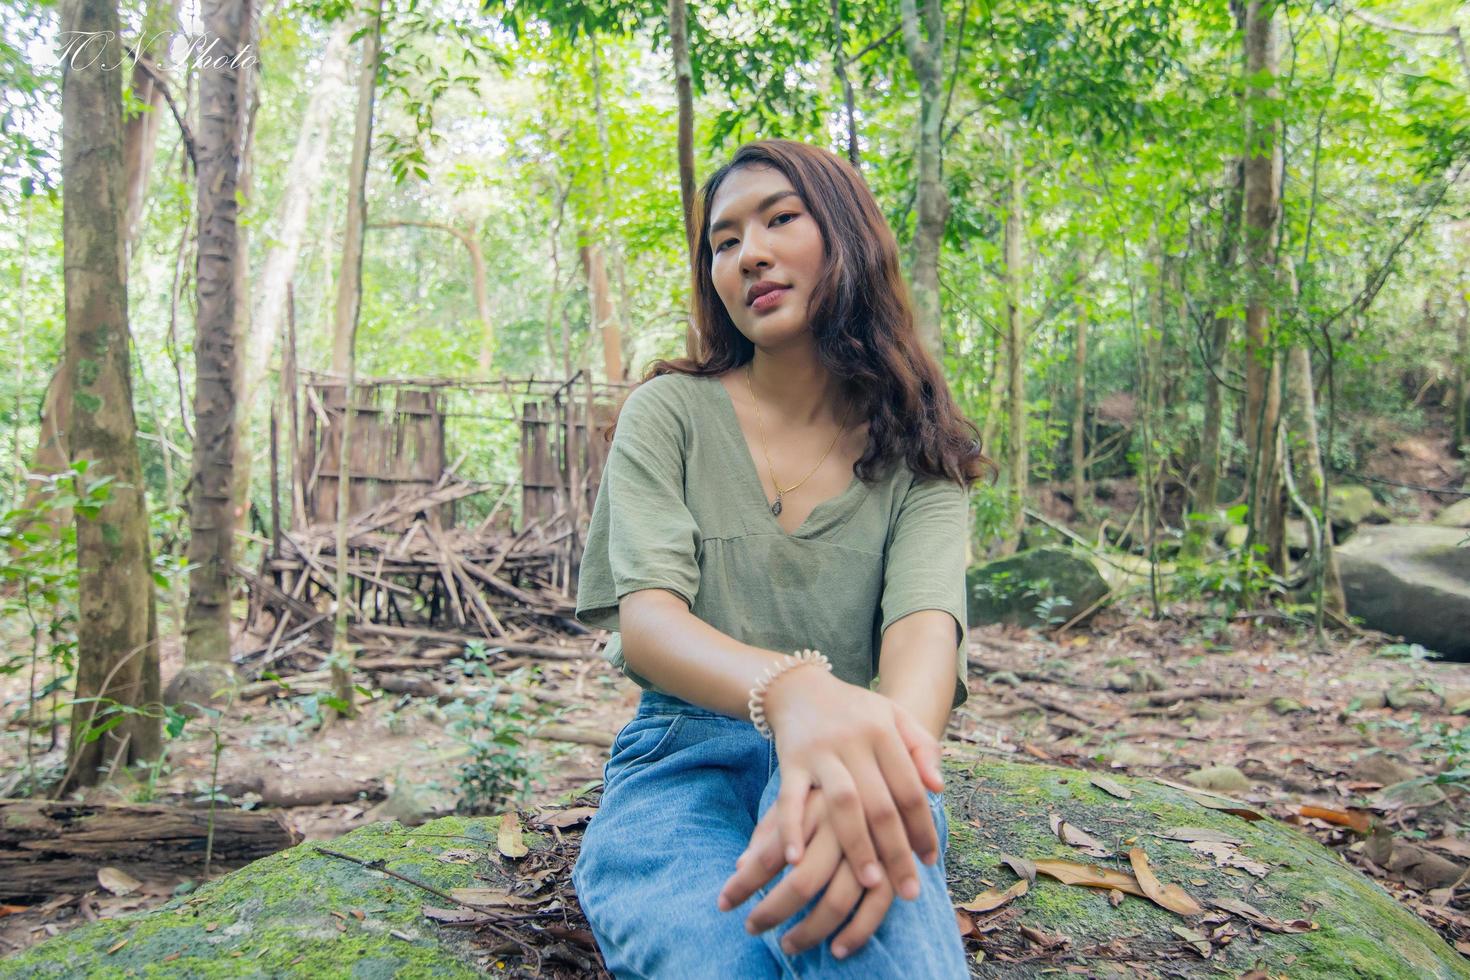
(1039, 587)
(1411, 580)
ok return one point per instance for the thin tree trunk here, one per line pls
(1079, 415)
(1309, 453)
(117, 648)
(344, 347)
(223, 118)
(1207, 494)
(612, 323)
(1017, 449)
(849, 100)
(602, 310)
(684, 91)
(994, 388)
(302, 184)
(1262, 213)
(926, 57)
(1462, 364)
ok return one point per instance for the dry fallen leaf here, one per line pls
(117, 882)
(1077, 837)
(994, 898)
(1111, 786)
(509, 837)
(1043, 939)
(564, 818)
(1188, 834)
(1226, 856)
(116, 946)
(965, 924)
(483, 897)
(1090, 876)
(1200, 944)
(1359, 821)
(1023, 867)
(1171, 897)
(1224, 804)
(1260, 919)
(1115, 897)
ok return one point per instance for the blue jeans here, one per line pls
(682, 793)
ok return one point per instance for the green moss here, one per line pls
(1002, 807)
(276, 916)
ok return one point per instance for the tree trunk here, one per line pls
(117, 648)
(1262, 213)
(140, 135)
(684, 91)
(602, 311)
(303, 181)
(1462, 364)
(612, 329)
(223, 119)
(933, 203)
(849, 100)
(1017, 450)
(344, 347)
(1079, 415)
(1314, 487)
(1207, 494)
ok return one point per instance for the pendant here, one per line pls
(776, 507)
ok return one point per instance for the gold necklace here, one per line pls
(760, 427)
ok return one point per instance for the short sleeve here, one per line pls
(641, 534)
(924, 562)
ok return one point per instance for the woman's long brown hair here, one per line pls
(860, 312)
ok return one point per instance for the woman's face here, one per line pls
(761, 232)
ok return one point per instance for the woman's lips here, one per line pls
(767, 300)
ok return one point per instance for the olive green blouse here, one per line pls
(680, 507)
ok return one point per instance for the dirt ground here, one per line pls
(1335, 729)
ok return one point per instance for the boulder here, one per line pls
(1411, 580)
(1455, 515)
(1351, 504)
(1037, 587)
(305, 913)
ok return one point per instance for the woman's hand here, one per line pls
(873, 762)
(823, 867)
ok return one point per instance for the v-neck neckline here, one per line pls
(810, 525)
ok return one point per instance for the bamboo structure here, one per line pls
(427, 570)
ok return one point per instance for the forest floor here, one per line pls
(1356, 729)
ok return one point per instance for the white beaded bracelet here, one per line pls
(757, 703)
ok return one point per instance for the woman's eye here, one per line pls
(721, 247)
(784, 214)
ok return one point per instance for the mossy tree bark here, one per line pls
(117, 650)
(926, 57)
(1262, 218)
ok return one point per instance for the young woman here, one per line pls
(778, 541)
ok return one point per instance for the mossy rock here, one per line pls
(1032, 587)
(275, 917)
(292, 914)
(1351, 504)
(997, 808)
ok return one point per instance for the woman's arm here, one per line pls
(916, 666)
(872, 758)
(687, 657)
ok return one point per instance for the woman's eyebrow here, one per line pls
(766, 202)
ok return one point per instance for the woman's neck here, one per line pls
(796, 391)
